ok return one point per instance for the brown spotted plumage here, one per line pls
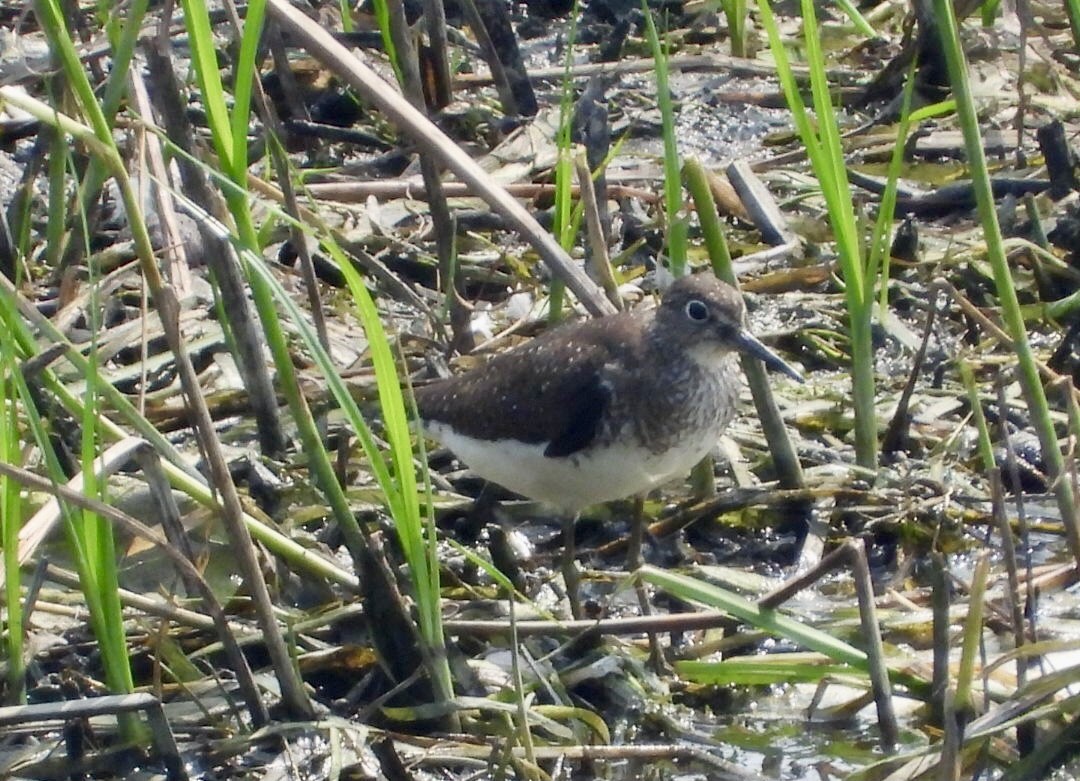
(602, 409)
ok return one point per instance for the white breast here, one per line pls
(574, 482)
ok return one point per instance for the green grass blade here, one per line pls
(768, 620)
(245, 73)
(677, 228)
(91, 540)
(771, 621)
(207, 76)
(1028, 372)
(382, 17)
(864, 27)
(881, 242)
(1072, 8)
(719, 255)
(826, 156)
(772, 670)
(417, 538)
(11, 520)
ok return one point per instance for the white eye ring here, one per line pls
(697, 311)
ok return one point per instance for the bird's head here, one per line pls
(708, 319)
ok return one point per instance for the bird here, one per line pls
(602, 409)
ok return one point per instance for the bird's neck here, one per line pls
(706, 357)
(712, 358)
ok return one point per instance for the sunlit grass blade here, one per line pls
(735, 12)
(864, 27)
(243, 80)
(101, 143)
(205, 65)
(772, 670)
(1072, 8)
(228, 130)
(564, 223)
(91, 540)
(881, 241)
(711, 231)
(417, 538)
(964, 698)
(772, 423)
(180, 472)
(10, 523)
(1027, 369)
(677, 227)
(396, 477)
(382, 17)
(229, 133)
(769, 620)
(563, 227)
(826, 156)
(123, 32)
(990, 10)
(92, 536)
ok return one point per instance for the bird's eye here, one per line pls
(697, 311)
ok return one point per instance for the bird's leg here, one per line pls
(634, 560)
(570, 573)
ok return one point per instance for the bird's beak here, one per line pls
(749, 344)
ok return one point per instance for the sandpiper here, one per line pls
(602, 409)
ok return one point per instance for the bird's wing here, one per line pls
(581, 415)
(532, 394)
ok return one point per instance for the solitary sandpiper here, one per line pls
(606, 408)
